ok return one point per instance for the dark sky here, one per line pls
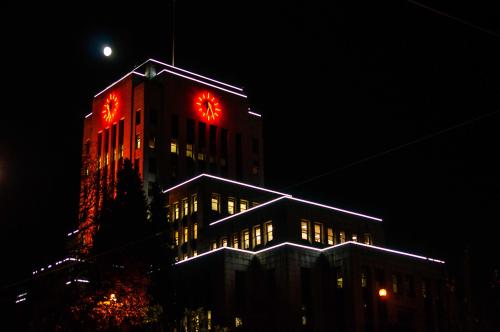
(335, 83)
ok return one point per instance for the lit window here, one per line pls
(395, 284)
(230, 205)
(185, 256)
(195, 230)
(173, 147)
(236, 242)
(355, 237)
(137, 141)
(269, 231)
(176, 238)
(238, 322)
(340, 280)
(368, 239)
(257, 235)
(330, 236)
(364, 281)
(185, 207)
(201, 156)
(152, 142)
(243, 205)
(189, 150)
(213, 245)
(195, 253)
(254, 204)
(342, 236)
(246, 239)
(317, 232)
(304, 229)
(209, 319)
(215, 202)
(194, 203)
(186, 233)
(224, 242)
(176, 211)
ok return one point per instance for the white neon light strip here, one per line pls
(314, 249)
(118, 81)
(20, 300)
(21, 295)
(246, 211)
(225, 180)
(194, 79)
(334, 208)
(90, 114)
(82, 280)
(189, 72)
(256, 114)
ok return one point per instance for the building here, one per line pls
(253, 258)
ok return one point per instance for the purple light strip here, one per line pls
(88, 115)
(205, 83)
(314, 249)
(113, 84)
(189, 72)
(256, 114)
(249, 210)
(225, 180)
(334, 208)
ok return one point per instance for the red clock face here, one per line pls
(110, 107)
(208, 106)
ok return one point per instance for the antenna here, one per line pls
(173, 33)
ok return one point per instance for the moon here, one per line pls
(107, 51)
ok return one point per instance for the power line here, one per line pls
(393, 149)
(457, 19)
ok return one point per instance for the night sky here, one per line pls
(336, 84)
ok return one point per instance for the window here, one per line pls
(330, 236)
(213, 245)
(269, 231)
(137, 141)
(173, 147)
(238, 322)
(169, 218)
(340, 279)
(342, 236)
(195, 231)
(246, 239)
(189, 150)
(195, 253)
(176, 238)
(175, 126)
(243, 205)
(368, 239)
(355, 237)
(176, 211)
(186, 234)
(364, 280)
(185, 207)
(230, 205)
(152, 142)
(395, 283)
(201, 156)
(317, 232)
(194, 203)
(138, 117)
(215, 202)
(254, 204)
(121, 126)
(304, 229)
(255, 145)
(152, 165)
(236, 242)
(223, 242)
(257, 236)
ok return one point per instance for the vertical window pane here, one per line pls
(317, 233)
(304, 229)
(330, 236)
(269, 231)
(342, 236)
(195, 231)
(243, 205)
(215, 202)
(246, 239)
(195, 203)
(186, 234)
(257, 236)
(230, 205)
(236, 241)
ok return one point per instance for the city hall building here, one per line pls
(255, 259)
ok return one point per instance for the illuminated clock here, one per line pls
(208, 106)
(110, 107)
